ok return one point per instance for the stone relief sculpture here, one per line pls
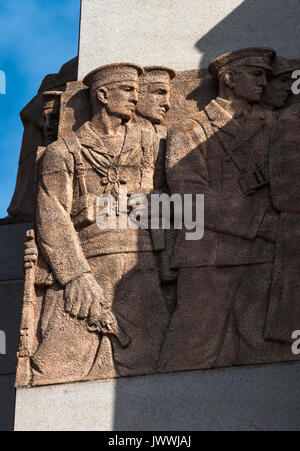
(109, 301)
(279, 87)
(284, 307)
(103, 155)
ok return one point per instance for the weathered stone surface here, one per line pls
(12, 239)
(248, 399)
(7, 403)
(223, 152)
(102, 299)
(100, 305)
(110, 261)
(11, 295)
(171, 33)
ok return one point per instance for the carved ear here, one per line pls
(229, 79)
(102, 95)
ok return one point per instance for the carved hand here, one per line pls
(84, 298)
(30, 254)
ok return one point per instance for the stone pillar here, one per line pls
(12, 239)
(180, 34)
(252, 399)
(183, 35)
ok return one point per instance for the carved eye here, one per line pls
(258, 73)
(161, 92)
(127, 88)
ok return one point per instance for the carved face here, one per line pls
(121, 99)
(278, 91)
(51, 121)
(154, 102)
(249, 83)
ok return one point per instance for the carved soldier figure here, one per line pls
(51, 115)
(105, 282)
(25, 192)
(284, 310)
(152, 107)
(224, 279)
(279, 86)
(22, 206)
(154, 96)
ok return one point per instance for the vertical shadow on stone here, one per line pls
(12, 239)
(235, 399)
(248, 399)
(7, 403)
(255, 23)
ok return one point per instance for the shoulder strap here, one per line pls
(209, 130)
(74, 147)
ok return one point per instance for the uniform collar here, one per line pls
(90, 139)
(223, 120)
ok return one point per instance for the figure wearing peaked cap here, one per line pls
(224, 279)
(284, 309)
(23, 202)
(40, 120)
(261, 57)
(51, 115)
(105, 314)
(279, 86)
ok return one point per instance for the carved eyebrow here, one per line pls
(127, 87)
(159, 90)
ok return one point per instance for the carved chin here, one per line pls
(127, 114)
(156, 118)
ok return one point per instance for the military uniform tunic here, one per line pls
(122, 261)
(224, 279)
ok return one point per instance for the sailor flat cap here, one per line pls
(157, 74)
(112, 73)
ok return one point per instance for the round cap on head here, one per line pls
(255, 56)
(52, 100)
(282, 66)
(157, 74)
(112, 73)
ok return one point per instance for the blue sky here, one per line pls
(37, 38)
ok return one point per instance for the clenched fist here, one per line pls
(84, 298)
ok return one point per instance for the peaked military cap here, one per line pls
(282, 66)
(157, 74)
(52, 100)
(254, 56)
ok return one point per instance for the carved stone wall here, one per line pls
(103, 302)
